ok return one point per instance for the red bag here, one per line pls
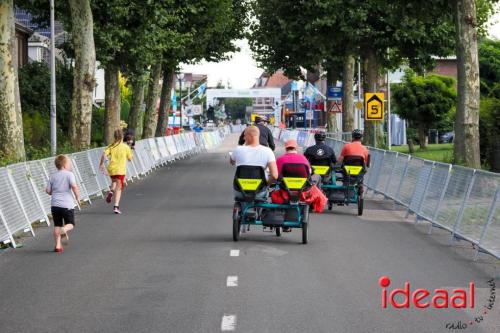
(313, 197)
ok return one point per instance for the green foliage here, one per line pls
(434, 152)
(292, 34)
(426, 102)
(489, 66)
(98, 126)
(34, 90)
(489, 125)
(236, 107)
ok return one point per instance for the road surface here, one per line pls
(168, 264)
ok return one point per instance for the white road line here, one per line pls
(228, 323)
(232, 281)
(234, 253)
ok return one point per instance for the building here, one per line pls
(34, 46)
(23, 34)
(266, 105)
(446, 66)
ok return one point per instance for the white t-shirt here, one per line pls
(258, 156)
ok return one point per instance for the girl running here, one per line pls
(118, 153)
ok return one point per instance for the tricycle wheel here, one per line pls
(360, 206)
(236, 221)
(304, 232)
(305, 214)
(278, 231)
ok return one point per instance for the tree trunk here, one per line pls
(134, 116)
(466, 141)
(11, 121)
(151, 116)
(82, 33)
(373, 135)
(331, 118)
(422, 136)
(112, 102)
(161, 127)
(348, 92)
(411, 146)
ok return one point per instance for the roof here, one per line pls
(24, 29)
(25, 18)
(277, 80)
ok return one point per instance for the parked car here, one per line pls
(446, 137)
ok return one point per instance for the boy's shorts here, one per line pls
(121, 179)
(60, 215)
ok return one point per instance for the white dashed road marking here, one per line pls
(234, 253)
(228, 323)
(232, 281)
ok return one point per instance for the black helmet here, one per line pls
(320, 136)
(357, 134)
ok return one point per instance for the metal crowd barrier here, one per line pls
(463, 201)
(23, 200)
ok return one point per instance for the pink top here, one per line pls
(291, 158)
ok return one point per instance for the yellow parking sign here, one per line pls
(374, 106)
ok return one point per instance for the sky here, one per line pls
(241, 70)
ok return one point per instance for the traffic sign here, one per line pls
(334, 93)
(374, 106)
(336, 106)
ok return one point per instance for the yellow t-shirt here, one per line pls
(119, 154)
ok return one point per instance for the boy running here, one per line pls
(60, 186)
(119, 153)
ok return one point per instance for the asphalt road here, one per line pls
(166, 263)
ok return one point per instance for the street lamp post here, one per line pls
(53, 124)
(181, 77)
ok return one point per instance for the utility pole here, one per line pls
(359, 94)
(53, 122)
(181, 77)
(389, 132)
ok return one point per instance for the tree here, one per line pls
(489, 65)
(35, 103)
(11, 127)
(466, 141)
(209, 28)
(76, 16)
(168, 77)
(128, 42)
(151, 116)
(384, 33)
(424, 101)
(82, 28)
(489, 121)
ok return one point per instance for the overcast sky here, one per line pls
(241, 71)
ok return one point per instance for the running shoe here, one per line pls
(109, 197)
(117, 210)
(58, 250)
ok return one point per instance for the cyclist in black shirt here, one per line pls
(266, 136)
(321, 155)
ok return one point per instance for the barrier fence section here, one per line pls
(464, 201)
(23, 200)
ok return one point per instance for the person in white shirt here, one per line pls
(252, 153)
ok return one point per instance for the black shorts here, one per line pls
(60, 214)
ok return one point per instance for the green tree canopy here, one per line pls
(424, 101)
(489, 66)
